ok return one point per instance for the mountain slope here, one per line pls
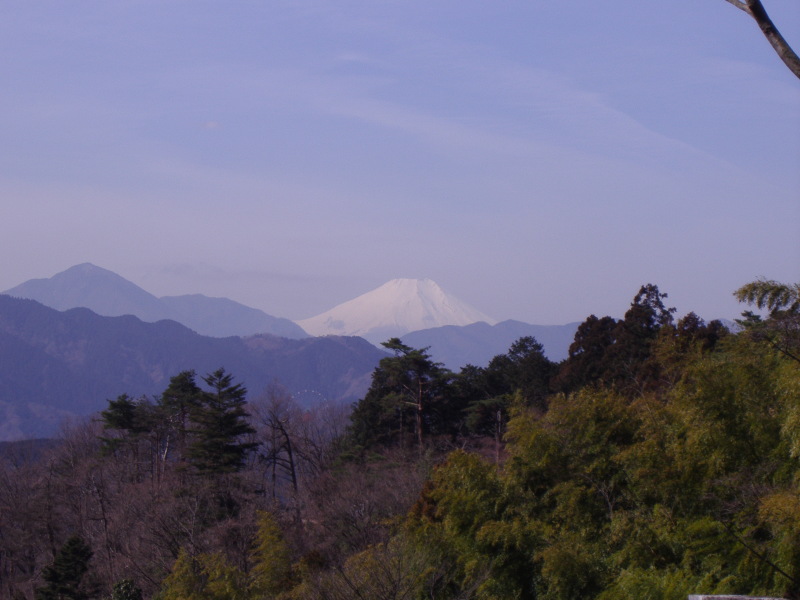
(57, 364)
(393, 309)
(220, 317)
(107, 294)
(100, 290)
(478, 343)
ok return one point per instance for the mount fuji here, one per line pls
(394, 309)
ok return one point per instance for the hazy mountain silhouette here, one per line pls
(220, 317)
(57, 364)
(108, 294)
(478, 343)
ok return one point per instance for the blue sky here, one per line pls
(538, 160)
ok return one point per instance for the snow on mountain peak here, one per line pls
(394, 309)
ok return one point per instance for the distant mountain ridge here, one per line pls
(54, 364)
(108, 294)
(394, 309)
(417, 310)
(478, 343)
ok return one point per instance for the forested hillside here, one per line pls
(55, 365)
(660, 459)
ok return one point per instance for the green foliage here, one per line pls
(772, 295)
(394, 570)
(204, 577)
(617, 495)
(177, 402)
(202, 428)
(272, 567)
(211, 576)
(524, 369)
(126, 590)
(569, 569)
(677, 347)
(125, 414)
(184, 581)
(219, 421)
(782, 328)
(652, 584)
(576, 441)
(64, 577)
(589, 355)
(669, 465)
(131, 419)
(409, 397)
(464, 514)
(619, 354)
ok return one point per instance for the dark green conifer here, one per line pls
(126, 590)
(409, 394)
(63, 578)
(219, 421)
(178, 401)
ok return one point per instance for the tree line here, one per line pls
(659, 459)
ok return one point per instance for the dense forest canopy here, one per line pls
(660, 459)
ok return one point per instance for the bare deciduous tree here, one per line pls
(295, 443)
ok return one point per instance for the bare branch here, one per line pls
(755, 9)
(740, 5)
(776, 40)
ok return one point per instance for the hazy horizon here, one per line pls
(491, 319)
(539, 162)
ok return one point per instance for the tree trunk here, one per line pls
(419, 415)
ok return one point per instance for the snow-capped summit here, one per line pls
(394, 309)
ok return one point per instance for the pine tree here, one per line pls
(126, 590)
(408, 393)
(176, 404)
(218, 424)
(63, 578)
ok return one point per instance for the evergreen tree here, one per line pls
(130, 419)
(125, 414)
(618, 354)
(176, 404)
(525, 369)
(634, 367)
(588, 361)
(219, 421)
(409, 393)
(126, 590)
(272, 569)
(63, 578)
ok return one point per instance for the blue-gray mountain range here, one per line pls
(478, 343)
(110, 295)
(55, 365)
(71, 342)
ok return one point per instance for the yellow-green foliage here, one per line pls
(652, 584)
(395, 570)
(272, 566)
(653, 497)
(204, 577)
(787, 385)
(694, 488)
(212, 577)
